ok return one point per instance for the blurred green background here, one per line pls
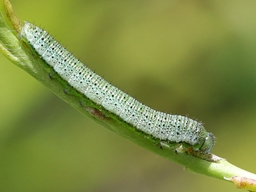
(194, 58)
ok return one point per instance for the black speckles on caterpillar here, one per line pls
(162, 126)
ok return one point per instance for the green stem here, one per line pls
(22, 54)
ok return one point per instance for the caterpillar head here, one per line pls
(208, 143)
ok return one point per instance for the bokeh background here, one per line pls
(194, 58)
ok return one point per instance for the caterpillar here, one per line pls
(162, 126)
